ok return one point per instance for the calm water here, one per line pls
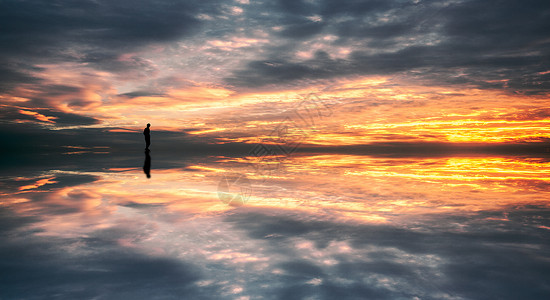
(93, 226)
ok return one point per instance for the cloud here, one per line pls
(45, 116)
(12, 74)
(103, 24)
(433, 260)
(282, 253)
(10, 222)
(284, 72)
(301, 29)
(111, 63)
(97, 267)
(142, 93)
(92, 32)
(492, 44)
(432, 149)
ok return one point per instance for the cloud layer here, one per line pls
(69, 64)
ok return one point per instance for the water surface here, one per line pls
(307, 226)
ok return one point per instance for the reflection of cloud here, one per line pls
(388, 262)
(44, 181)
(285, 255)
(38, 183)
(89, 267)
(438, 236)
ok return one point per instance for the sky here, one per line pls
(230, 72)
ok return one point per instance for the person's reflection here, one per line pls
(147, 164)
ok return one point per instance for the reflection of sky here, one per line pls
(321, 226)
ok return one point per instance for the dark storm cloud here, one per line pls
(460, 42)
(504, 259)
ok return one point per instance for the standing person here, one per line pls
(147, 134)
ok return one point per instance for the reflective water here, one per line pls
(308, 226)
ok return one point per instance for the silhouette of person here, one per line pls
(147, 134)
(147, 164)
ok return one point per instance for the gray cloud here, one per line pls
(141, 93)
(35, 26)
(443, 42)
(93, 32)
(301, 29)
(12, 74)
(90, 33)
(37, 268)
(459, 42)
(486, 257)
(498, 253)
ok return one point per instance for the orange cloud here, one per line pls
(38, 183)
(364, 110)
(38, 116)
